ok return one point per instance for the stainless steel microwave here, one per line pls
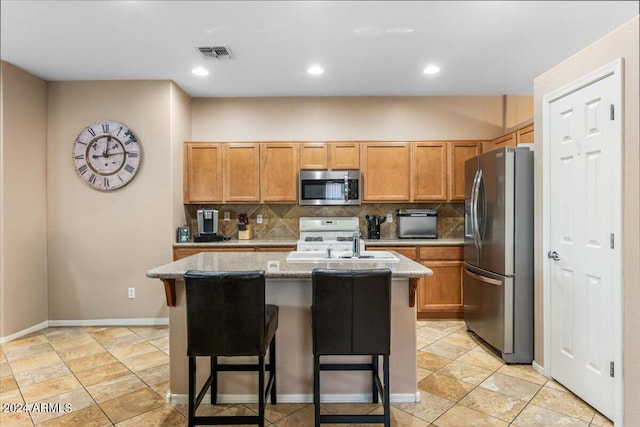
(329, 188)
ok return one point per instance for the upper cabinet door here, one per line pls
(314, 155)
(279, 171)
(525, 135)
(202, 172)
(508, 140)
(429, 171)
(344, 155)
(459, 152)
(385, 171)
(242, 172)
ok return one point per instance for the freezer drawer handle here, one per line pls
(483, 279)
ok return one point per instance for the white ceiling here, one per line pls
(368, 48)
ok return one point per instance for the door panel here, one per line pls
(584, 174)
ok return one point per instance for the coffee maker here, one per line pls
(207, 221)
(207, 226)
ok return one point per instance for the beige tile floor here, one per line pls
(119, 376)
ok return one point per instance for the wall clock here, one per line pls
(106, 155)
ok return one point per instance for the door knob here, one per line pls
(553, 255)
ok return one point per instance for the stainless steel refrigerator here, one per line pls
(498, 251)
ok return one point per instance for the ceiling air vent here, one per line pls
(215, 52)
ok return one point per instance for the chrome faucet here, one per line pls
(356, 244)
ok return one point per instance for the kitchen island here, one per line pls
(289, 286)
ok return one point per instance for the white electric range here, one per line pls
(321, 233)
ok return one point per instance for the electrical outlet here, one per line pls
(227, 216)
(132, 293)
(389, 218)
(259, 219)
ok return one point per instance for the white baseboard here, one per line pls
(539, 369)
(152, 321)
(141, 321)
(298, 398)
(24, 332)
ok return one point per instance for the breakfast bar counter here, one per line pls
(288, 285)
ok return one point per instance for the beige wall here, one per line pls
(180, 132)
(101, 243)
(622, 42)
(345, 118)
(23, 201)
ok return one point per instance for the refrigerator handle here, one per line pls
(483, 278)
(474, 208)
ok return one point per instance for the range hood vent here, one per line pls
(215, 52)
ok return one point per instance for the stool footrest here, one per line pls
(241, 367)
(346, 367)
(226, 420)
(348, 419)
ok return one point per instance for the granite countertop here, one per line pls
(230, 261)
(287, 242)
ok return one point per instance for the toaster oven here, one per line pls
(417, 224)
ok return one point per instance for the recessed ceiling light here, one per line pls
(431, 69)
(315, 70)
(199, 71)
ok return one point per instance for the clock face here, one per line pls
(106, 155)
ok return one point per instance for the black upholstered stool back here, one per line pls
(225, 313)
(227, 316)
(351, 311)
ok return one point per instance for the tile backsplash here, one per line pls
(280, 221)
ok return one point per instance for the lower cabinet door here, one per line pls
(440, 296)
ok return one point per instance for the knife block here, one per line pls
(247, 233)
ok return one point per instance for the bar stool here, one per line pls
(227, 316)
(351, 315)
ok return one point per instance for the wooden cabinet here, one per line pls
(386, 171)
(408, 251)
(279, 172)
(508, 140)
(458, 153)
(525, 135)
(421, 171)
(440, 296)
(344, 155)
(275, 248)
(314, 155)
(429, 171)
(202, 164)
(179, 253)
(437, 169)
(241, 172)
(330, 155)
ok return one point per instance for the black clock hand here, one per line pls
(95, 156)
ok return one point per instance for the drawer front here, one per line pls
(454, 253)
(408, 251)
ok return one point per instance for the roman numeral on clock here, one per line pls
(82, 169)
(92, 178)
(105, 182)
(129, 168)
(92, 132)
(105, 127)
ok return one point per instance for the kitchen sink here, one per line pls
(341, 256)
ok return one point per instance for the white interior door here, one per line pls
(584, 226)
